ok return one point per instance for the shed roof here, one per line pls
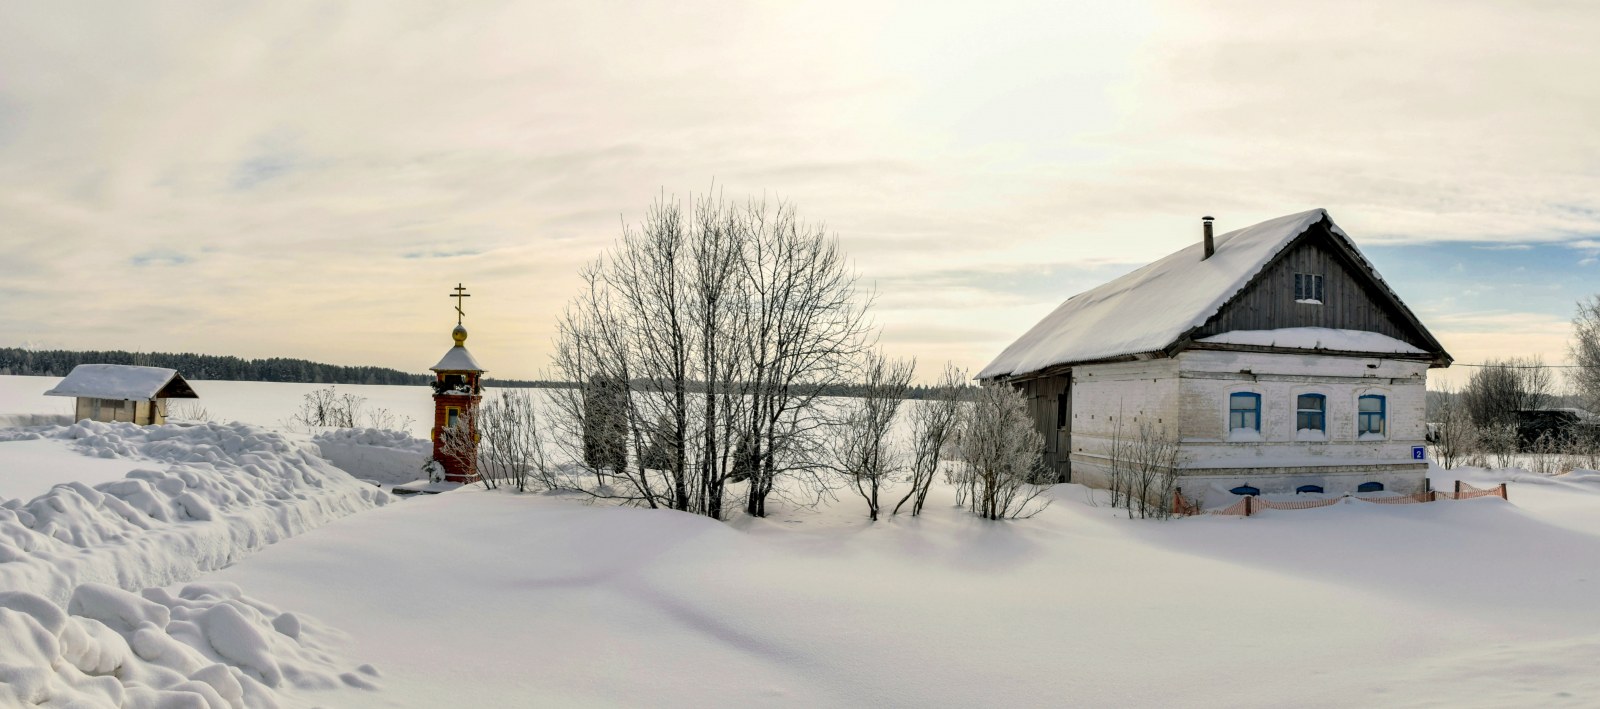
(458, 359)
(1154, 307)
(123, 381)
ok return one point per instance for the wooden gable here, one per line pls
(1353, 297)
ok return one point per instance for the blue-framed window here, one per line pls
(1369, 487)
(1371, 413)
(1311, 412)
(1307, 286)
(1245, 490)
(1244, 411)
(1308, 488)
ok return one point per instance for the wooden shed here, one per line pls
(121, 392)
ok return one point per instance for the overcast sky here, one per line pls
(310, 180)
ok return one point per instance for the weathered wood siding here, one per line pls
(1044, 406)
(1349, 300)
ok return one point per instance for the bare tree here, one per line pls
(719, 328)
(1002, 451)
(1586, 352)
(807, 324)
(862, 450)
(510, 450)
(1499, 390)
(1451, 430)
(933, 427)
(1144, 469)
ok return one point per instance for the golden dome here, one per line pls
(459, 335)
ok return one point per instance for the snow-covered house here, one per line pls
(1275, 355)
(121, 392)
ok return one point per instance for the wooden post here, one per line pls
(1248, 505)
(1503, 492)
(1432, 495)
(1458, 489)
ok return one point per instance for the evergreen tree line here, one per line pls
(57, 363)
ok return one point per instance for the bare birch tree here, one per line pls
(807, 324)
(933, 427)
(722, 327)
(862, 450)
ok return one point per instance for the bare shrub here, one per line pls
(1144, 470)
(190, 411)
(1002, 451)
(510, 450)
(330, 409)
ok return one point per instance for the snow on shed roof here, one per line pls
(122, 381)
(458, 359)
(1150, 308)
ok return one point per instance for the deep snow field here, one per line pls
(252, 572)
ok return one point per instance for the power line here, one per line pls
(1520, 366)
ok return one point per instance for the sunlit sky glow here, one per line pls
(309, 180)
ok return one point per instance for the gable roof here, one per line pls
(1157, 306)
(458, 359)
(123, 381)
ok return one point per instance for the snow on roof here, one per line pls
(119, 381)
(1150, 308)
(1316, 338)
(458, 359)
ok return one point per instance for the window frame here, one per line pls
(1371, 486)
(1309, 489)
(1308, 288)
(1254, 491)
(1256, 409)
(1321, 412)
(1382, 415)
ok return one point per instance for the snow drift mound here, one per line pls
(207, 646)
(378, 455)
(212, 493)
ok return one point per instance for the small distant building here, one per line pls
(122, 392)
(1560, 426)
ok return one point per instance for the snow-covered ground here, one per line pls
(479, 598)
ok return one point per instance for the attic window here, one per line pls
(1308, 288)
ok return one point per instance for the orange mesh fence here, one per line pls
(1240, 508)
(1250, 504)
(1413, 498)
(1297, 504)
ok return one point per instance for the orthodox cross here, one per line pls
(460, 293)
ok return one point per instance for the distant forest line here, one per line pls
(57, 363)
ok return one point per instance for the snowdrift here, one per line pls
(208, 645)
(210, 494)
(201, 498)
(375, 455)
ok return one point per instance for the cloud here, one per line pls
(335, 165)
